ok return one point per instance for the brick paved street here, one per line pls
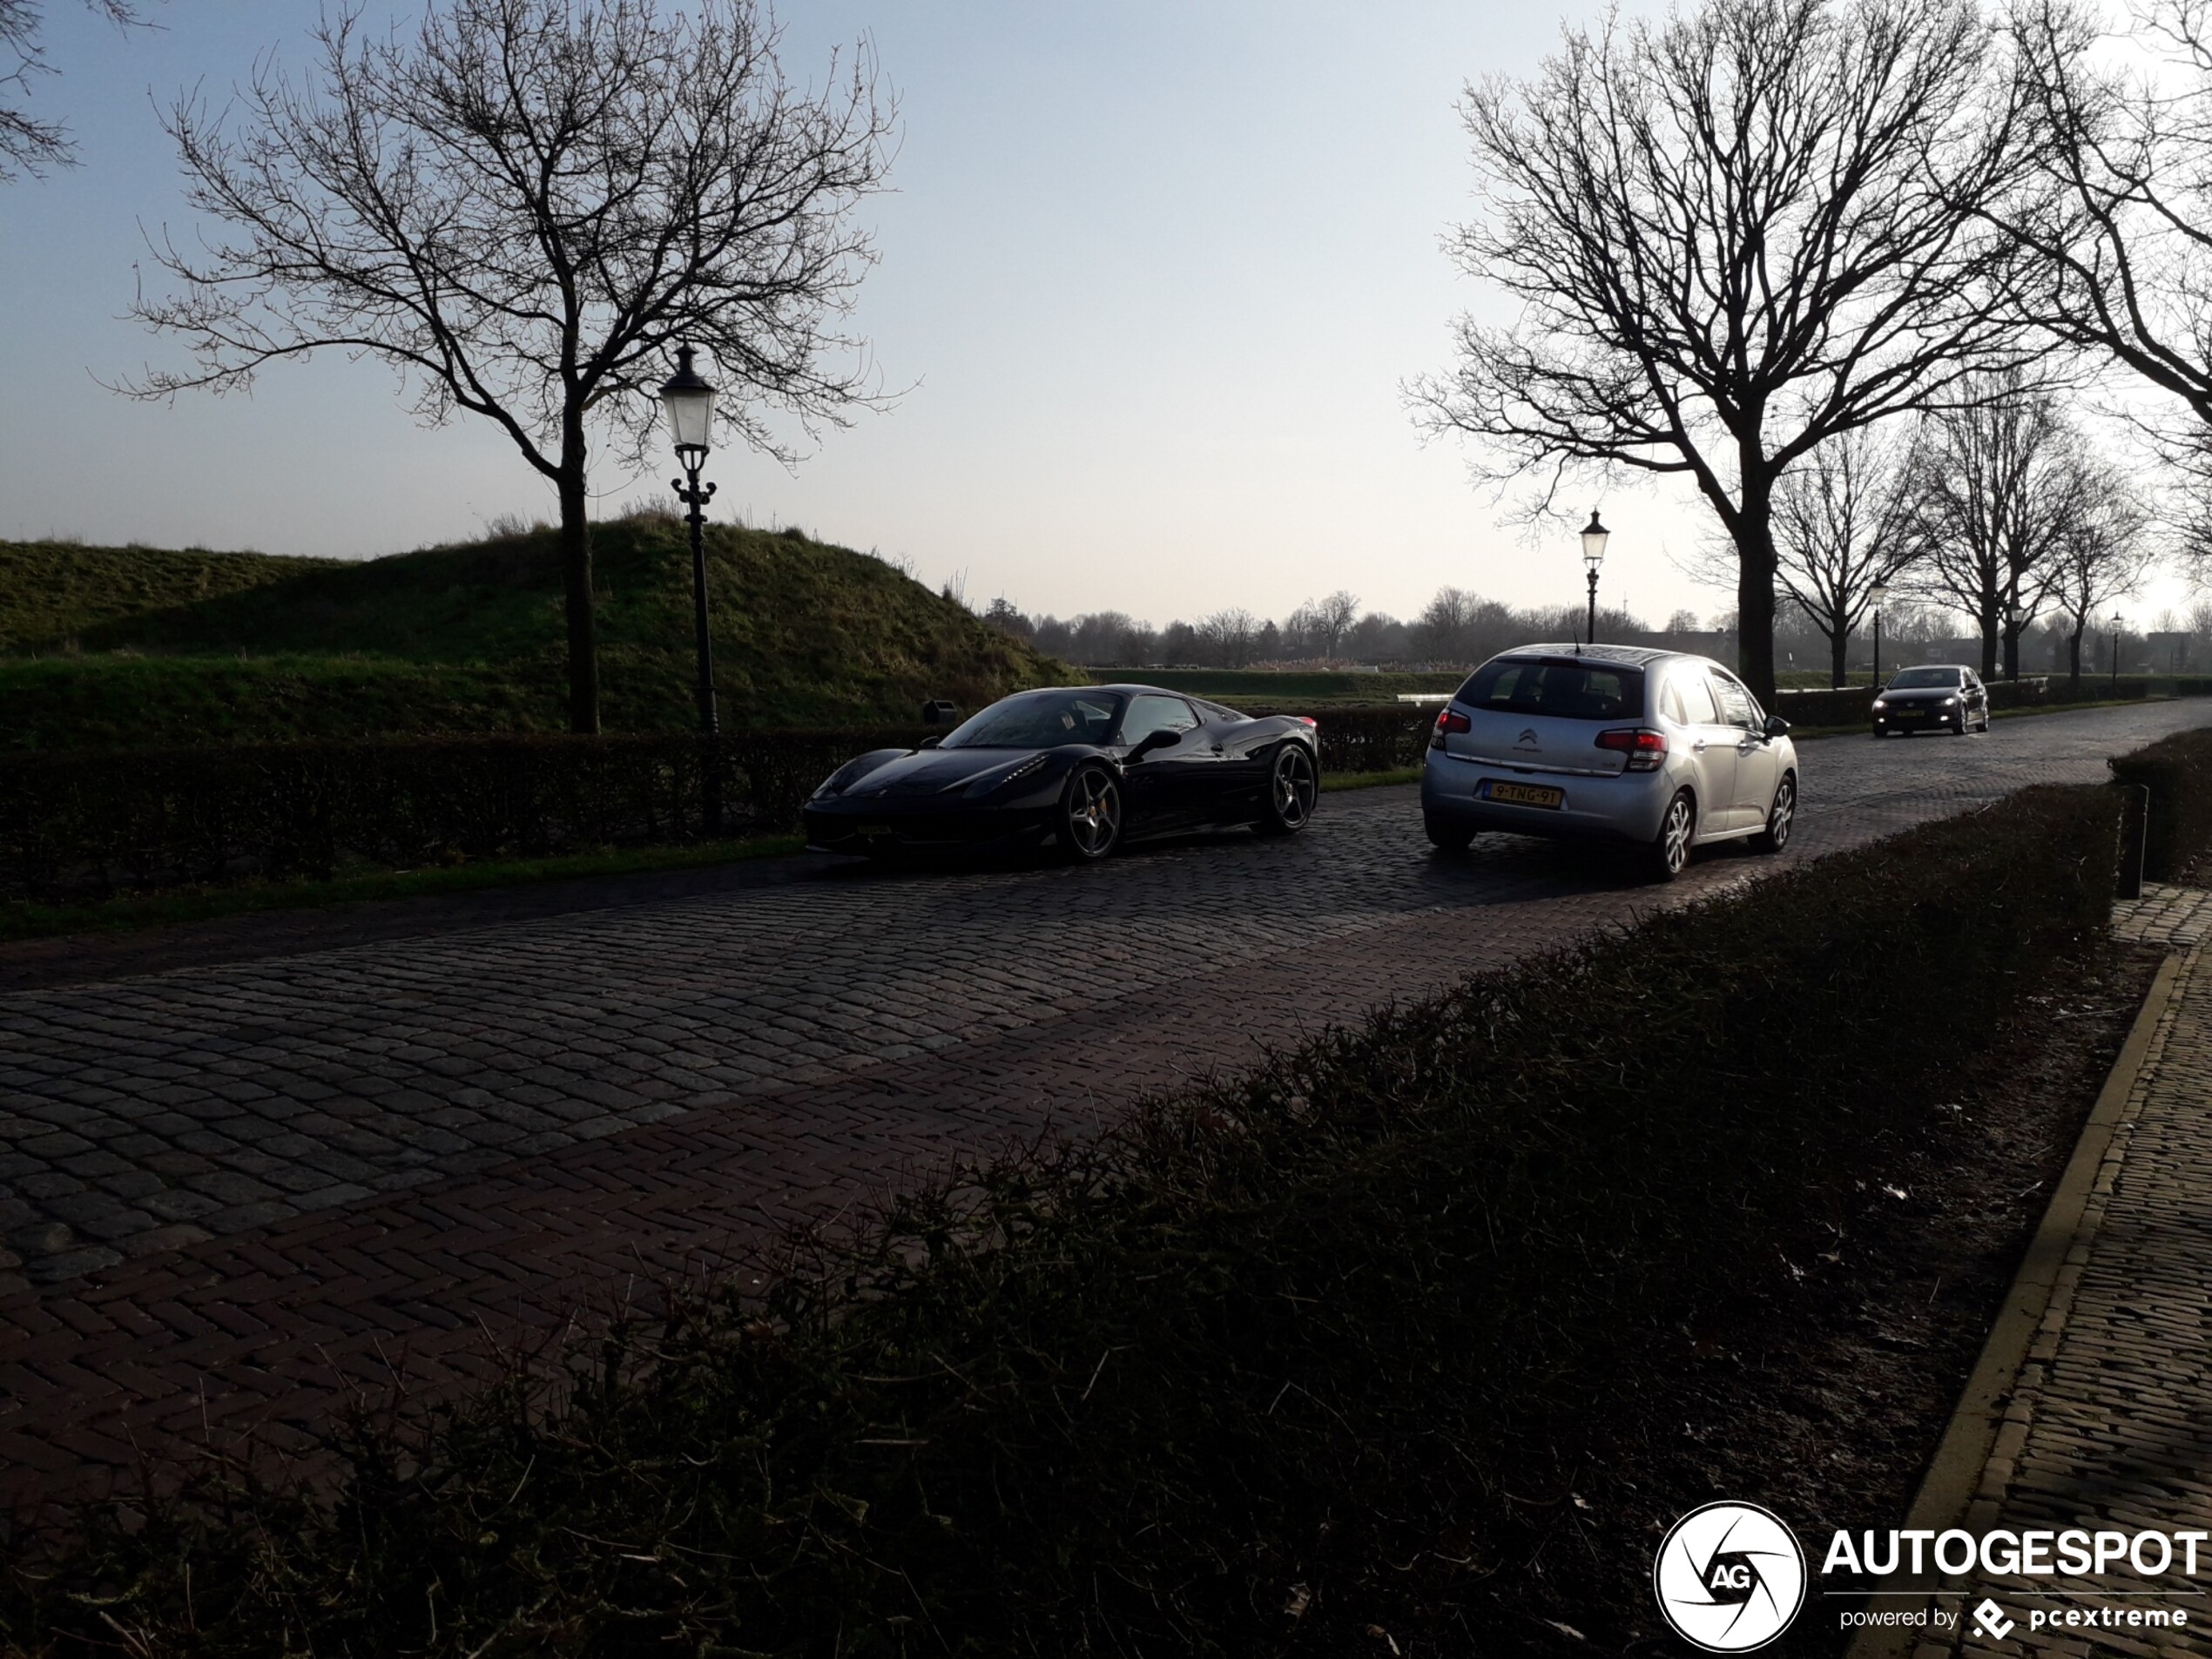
(229, 1191)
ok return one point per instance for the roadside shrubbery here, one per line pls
(1371, 740)
(1854, 705)
(1279, 1359)
(2177, 771)
(77, 825)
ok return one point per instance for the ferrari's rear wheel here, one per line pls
(1090, 815)
(1292, 787)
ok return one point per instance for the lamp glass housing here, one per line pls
(1594, 535)
(689, 401)
(1876, 594)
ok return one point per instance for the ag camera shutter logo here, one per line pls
(1730, 1577)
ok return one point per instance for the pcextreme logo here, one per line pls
(1730, 1577)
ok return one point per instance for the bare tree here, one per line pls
(1843, 523)
(1734, 235)
(1231, 635)
(1442, 633)
(1329, 621)
(521, 209)
(2104, 554)
(2122, 238)
(27, 145)
(1994, 483)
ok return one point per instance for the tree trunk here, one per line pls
(2073, 678)
(1755, 565)
(1838, 647)
(1988, 620)
(576, 581)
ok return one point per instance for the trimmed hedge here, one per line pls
(2178, 773)
(79, 825)
(1373, 740)
(1282, 1358)
(1854, 705)
(1849, 706)
(74, 826)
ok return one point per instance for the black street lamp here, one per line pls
(1593, 535)
(1875, 596)
(2115, 653)
(689, 404)
(2015, 620)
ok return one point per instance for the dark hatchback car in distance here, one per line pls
(1080, 769)
(1937, 696)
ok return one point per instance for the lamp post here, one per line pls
(1875, 596)
(2015, 620)
(1593, 535)
(689, 404)
(2115, 653)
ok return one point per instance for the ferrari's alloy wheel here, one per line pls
(1780, 816)
(1091, 815)
(1670, 847)
(1292, 787)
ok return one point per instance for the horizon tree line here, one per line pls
(1457, 628)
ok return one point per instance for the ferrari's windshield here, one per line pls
(1040, 720)
(1915, 679)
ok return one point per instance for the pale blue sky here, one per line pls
(1154, 272)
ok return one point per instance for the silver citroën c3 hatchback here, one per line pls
(1655, 750)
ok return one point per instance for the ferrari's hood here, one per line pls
(1921, 694)
(931, 771)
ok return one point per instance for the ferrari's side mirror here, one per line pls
(927, 742)
(1152, 741)
(1776, 725)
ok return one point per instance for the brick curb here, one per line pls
(1990, 1422)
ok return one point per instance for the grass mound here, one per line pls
(53, 593)
(469, 638)
(1303, 1361)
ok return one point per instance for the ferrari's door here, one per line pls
(1168, 761)
(1234, 789)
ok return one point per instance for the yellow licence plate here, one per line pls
(1519, 794)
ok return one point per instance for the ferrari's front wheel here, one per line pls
(1090, 815)
(1293, 785)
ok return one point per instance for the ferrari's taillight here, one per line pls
(1451, 720)
(1646, 749)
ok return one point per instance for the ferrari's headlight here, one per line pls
(1880, 704)
(1948, 701)
(844, 777)
(992, 782)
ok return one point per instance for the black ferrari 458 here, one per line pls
(1081, 770)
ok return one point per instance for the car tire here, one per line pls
(1780, 818)
(1668, 853)
(1090, 815)
(1446, 836)
(1293, 787)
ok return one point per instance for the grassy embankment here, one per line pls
(104, 647)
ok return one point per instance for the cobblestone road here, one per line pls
(227, 1190)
